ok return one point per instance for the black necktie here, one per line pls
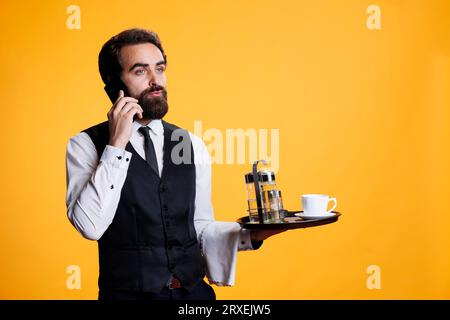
(150, 155)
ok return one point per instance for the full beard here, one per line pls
(154, 107)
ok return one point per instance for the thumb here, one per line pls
(121, 94)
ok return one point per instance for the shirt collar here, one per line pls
(154, 125)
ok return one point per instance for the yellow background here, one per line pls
(363, 116)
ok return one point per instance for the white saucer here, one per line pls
(301, 215)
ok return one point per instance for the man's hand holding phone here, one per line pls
(120, 118)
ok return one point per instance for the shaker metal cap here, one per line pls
(275, 193)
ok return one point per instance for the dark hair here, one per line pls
(109, 56)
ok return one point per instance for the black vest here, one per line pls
(152, 234)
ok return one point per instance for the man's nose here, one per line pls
(152, 79)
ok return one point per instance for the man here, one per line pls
(127, 188)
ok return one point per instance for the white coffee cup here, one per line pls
(317, 204)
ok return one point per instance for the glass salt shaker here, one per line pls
(276, 206)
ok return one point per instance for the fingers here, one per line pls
(123, 107)
(133, 111)
(121, 95)
(129, 106)
(121, 103)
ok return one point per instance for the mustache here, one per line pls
(152, 89)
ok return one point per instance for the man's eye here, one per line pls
(161, 69)
(140, 71)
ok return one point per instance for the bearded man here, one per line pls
(142, 197)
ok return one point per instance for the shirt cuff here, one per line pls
(117, 157)
(245, 242)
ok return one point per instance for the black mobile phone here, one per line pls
(112, 89)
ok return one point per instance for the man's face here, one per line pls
(143, 73)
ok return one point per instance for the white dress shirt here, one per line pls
(94, 188)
